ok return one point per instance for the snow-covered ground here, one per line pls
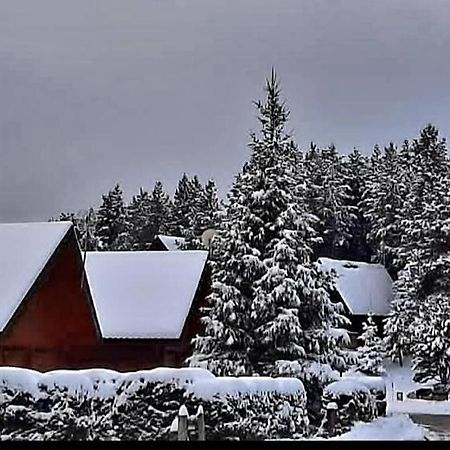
(400, 379)
(398, 427)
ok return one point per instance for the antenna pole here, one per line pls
(86, 239)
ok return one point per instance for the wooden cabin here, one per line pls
(362, 289)
(125, 311)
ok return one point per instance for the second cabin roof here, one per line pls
(364, 288)
(144, 294)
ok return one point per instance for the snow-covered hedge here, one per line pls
(355, 402)
(376, 386)
(314, 376)
(109, 405)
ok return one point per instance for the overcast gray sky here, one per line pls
(131, 91)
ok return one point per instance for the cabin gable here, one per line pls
(55, 313)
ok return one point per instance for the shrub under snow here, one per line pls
(355, 402)
(107, 405)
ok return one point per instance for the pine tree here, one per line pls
(425, 226)
(138, 221)
(110, 219)
(425, 212)
(398, 326)
(235, 264)
(268, 299)
(432, 348)
(370, 360)
(400, 186)
(160, 212)
(355, 172)
(329, 199)
(386, 187)
(206, 216)
(430, 321)
(208, 209)
(185, 205)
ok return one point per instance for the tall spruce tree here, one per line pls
(355, 173)
(159, 212)
(329, 199)
(386, 187)
(138, 221)
(185, 205)
(111, 220)
(268, 301)
(431, 349)
(206, 215)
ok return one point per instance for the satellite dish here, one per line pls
(207, 237)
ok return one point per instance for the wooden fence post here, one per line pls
(200, 423)
(173, 433)
(331, 416)
(183, 424)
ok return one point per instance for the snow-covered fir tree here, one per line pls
(398, 326)
(160, 212)
(355, 173)
(235, 264)
(268, 301)
(425, 226)
(181, 207)
(400, 184)
(386, 187)
(137, 220)
(425, 212)
(111, 220)
(186, 202)
(206, 217)
(146, 216)
(425, 318)
(328, 198)
(431, 350)
(370, 353)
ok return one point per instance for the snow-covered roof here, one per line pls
(25, 249)
(143, 294)
(171, 242)
(364, 288)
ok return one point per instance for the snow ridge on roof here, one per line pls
(364, 288)
(171, 242)
(144, 294)
(25, 249)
